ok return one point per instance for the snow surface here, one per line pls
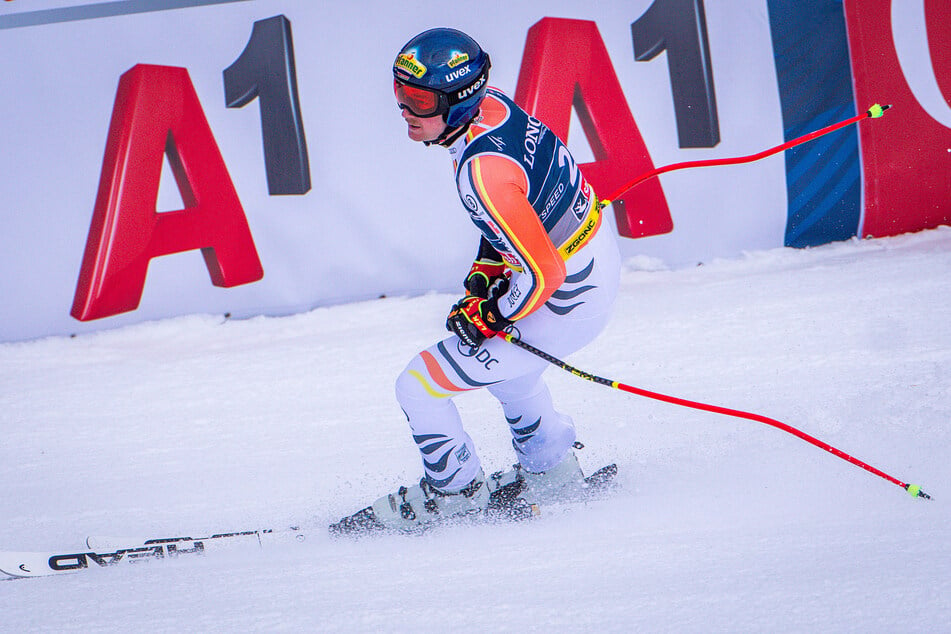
(199, 424)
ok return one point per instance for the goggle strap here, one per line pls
(483, 77)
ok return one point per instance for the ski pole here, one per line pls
(913, 489)
(873, 112)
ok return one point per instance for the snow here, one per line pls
(202, 424)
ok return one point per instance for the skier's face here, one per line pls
(423, 128)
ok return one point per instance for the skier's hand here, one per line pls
(474, 320)
(488, 276)
(484, 274)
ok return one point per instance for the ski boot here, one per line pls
(419, 507)
(562, 483)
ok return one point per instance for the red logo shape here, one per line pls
(156, 113)
(566, 64)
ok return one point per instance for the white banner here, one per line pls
(381, 215)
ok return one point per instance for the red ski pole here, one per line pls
(912, 489)
(874, 112)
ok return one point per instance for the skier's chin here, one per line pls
(418, 133)
(415, 132)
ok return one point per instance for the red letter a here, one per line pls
(157, 112)
(566, 64)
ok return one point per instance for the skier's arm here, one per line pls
(502, 187)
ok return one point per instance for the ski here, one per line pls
(42, 564)
(601, 479)
(105, 552)
(262, 537)
(109, 552)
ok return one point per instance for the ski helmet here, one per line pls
(441, 72)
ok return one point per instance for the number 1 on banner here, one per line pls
(680, 28)
(266, 70)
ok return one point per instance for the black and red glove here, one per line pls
(487, 270)
(474, 319)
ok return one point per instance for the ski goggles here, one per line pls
(421, 102)
(428, 102)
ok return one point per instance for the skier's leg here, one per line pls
(541, 435)
(425, 390)
(454, 482)
(450, 461)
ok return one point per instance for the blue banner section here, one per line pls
(823, 177)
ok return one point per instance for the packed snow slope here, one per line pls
(200, 424)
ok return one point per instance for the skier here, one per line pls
(545, 270)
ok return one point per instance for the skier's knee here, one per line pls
(414, 387)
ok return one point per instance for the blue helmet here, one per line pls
(441, 72)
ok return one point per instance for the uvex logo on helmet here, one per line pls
(473, 89)
(459, 72)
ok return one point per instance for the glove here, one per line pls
(474, 319)
(487, 270)
(482, 276)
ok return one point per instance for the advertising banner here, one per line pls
(247, 157)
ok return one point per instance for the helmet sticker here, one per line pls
(409, 62)
(473, 89)
(457, 57)
(458, 73)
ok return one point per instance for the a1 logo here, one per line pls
(157, 113)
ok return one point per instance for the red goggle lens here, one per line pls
(419, 101)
